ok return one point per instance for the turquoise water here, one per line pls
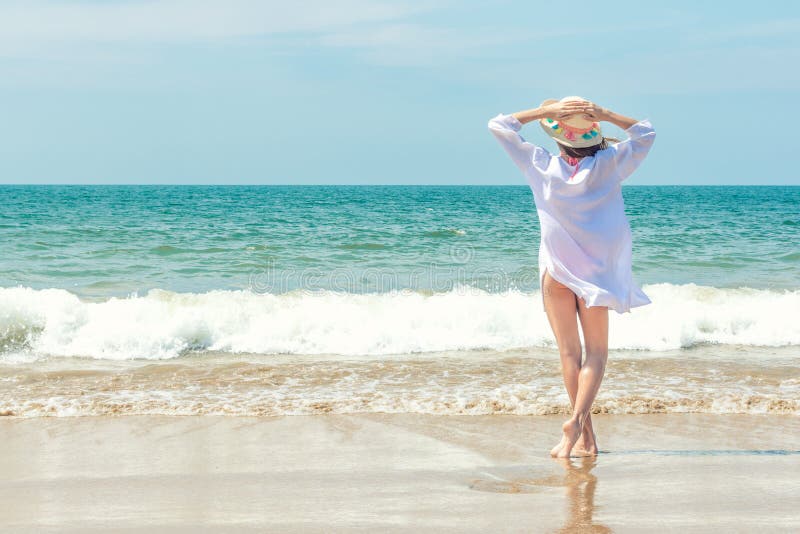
(100, 241)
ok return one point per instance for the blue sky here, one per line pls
(385, 92)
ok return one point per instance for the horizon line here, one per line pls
(95, 184)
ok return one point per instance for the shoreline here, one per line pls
(396, 472)
(715, 380)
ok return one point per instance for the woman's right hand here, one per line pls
(556, 110)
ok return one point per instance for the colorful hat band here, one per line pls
(570, 131)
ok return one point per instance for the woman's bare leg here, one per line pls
(594, 323)
(561, 306)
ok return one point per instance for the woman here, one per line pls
(585, 249)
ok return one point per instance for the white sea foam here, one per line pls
(164, 324)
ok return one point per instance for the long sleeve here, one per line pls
(528, 157)
(627, 155)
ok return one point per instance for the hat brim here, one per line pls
(609, 140)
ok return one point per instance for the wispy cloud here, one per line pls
(691, 71)
(30, 26)
(664, 53)
(431, 45)
(379, 31)
(764, 29)
(418, 44)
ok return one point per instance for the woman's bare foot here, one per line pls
(587, 444)
(579, 450)
(572, 431)
(554, 450)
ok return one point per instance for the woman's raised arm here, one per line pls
(627, 155)
(506, 128)
(557, 110)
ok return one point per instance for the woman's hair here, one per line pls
(585, 151)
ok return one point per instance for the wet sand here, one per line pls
(385, 473)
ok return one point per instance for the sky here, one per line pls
(385, 92)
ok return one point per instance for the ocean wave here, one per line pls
(165, 324)
(446, 232)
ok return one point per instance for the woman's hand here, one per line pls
(589, 110)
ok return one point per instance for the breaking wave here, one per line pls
(164, 324)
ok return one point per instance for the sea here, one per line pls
(296, 300)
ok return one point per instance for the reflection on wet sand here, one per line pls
(577, 479)
(581, 485)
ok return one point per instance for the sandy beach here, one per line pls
(379, 473)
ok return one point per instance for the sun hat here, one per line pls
(573, 131)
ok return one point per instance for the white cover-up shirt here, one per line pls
(585, 234)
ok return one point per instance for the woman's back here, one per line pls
(585, 235)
